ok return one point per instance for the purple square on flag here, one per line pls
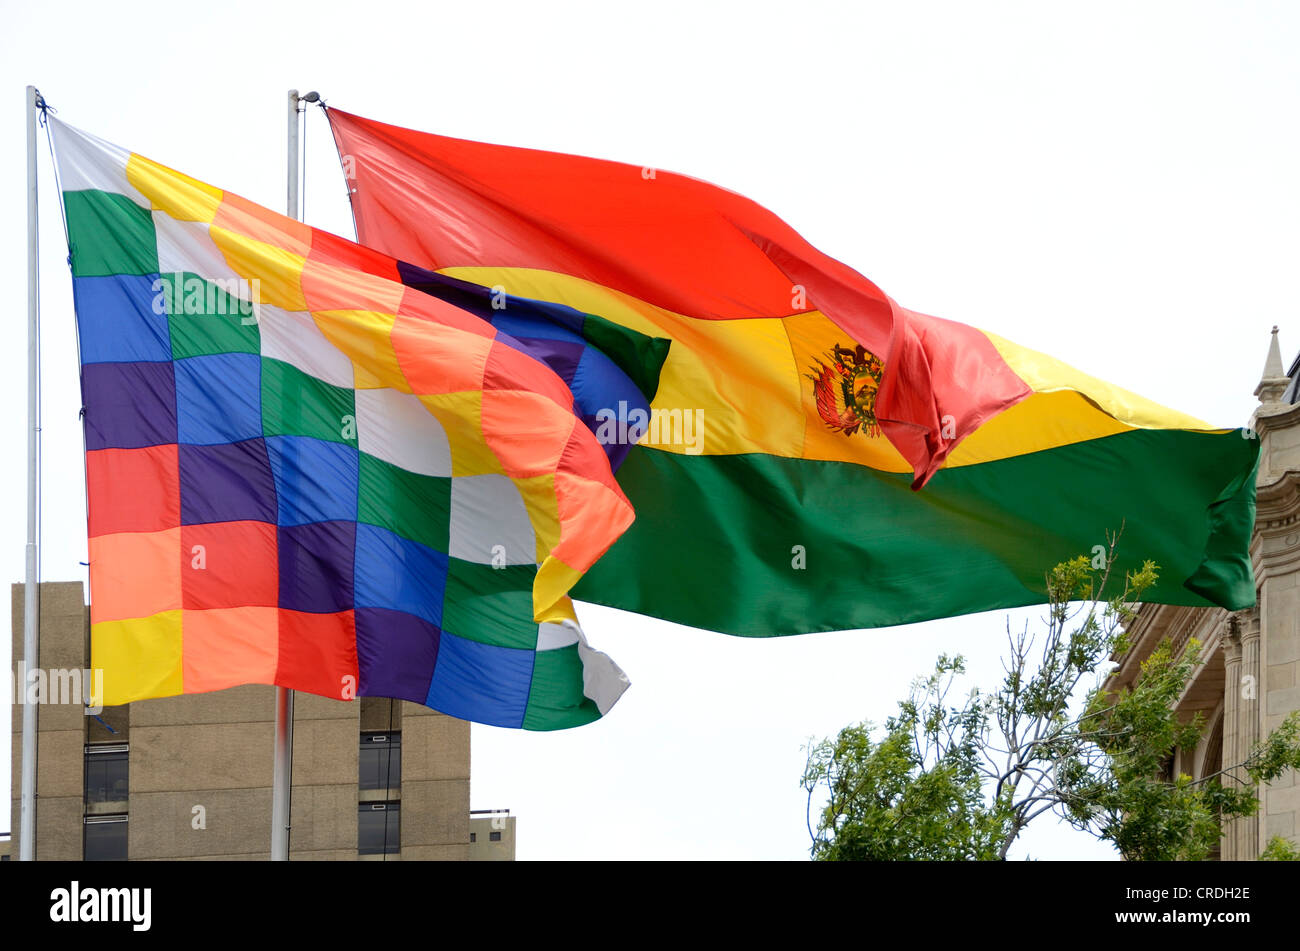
(129, 405)
(229, 482)
(396, 654)
(316, 566)
(562, 356)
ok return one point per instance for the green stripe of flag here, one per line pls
(764, 545)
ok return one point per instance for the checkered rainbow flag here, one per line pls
(301, 472)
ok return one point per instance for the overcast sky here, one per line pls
(1112, 183)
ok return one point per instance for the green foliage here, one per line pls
(1280, 850)
(1279, 752)
(915, 794)
(945, 780)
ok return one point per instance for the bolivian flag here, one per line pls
(816, 457)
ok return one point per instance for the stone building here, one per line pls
(491, 835)
(1248, 678)
(190, 777)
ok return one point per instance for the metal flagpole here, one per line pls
(283, 776)
(31, 656)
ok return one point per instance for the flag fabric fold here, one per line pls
(820, 405)
(604, 365)
(302, 472)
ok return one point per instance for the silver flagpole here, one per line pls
(283, 777)
(31, 640)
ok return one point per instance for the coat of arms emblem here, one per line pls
(846, 389)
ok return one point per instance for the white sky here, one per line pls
(1112, 183)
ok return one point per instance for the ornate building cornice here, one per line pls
(1271, 416)
(1153, 623)
(1277, 503)
(1275, 545)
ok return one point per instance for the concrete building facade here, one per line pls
(491, 835)
(1248, 676)
(190, 777)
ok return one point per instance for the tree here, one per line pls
(962, 780)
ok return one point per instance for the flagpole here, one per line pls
(282, 781)
(31, 656)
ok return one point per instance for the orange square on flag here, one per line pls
(134, 575)
(229, 646)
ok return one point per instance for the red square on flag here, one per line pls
(318, 653)
(133, 490)
(229, 565)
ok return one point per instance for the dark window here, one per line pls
(380, 763)
(494, 836)
(379, 827)
(105, 838)
(473, 837)
(106, 773)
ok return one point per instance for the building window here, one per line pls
(473, 836)
(379, 828)
(105, 839)
(106, 773)
(494, 836)
(380, 763)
